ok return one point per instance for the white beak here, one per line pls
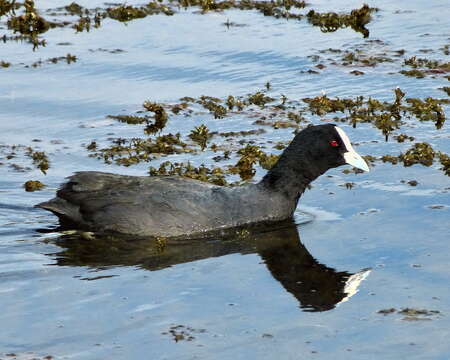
(353, 282)
(351, 157)
(354, 159)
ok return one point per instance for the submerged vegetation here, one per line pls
(12, 155)
(421, 67)
(33, 185)
(28, 24)
(411, 314)
(242, 155)
(40, 159)
(331, 21)
(242, 151)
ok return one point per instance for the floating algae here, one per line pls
(422, 67)
(411, 314)
(387, 116)
(420, 153)
(200, 135)
(31, 24)
(445, 161)
(33, 185)
(251, 155)
(428, 110)
(202, 173)
(331, 21)
(40, 159)
(160, 117)
(133, 151)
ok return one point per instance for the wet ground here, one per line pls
(300, 291)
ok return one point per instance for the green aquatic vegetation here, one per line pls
(200, 135)
(130, 119)
(445, 162)
(177, 108)
(33, 185)
(383, 115)
(110, 51)
(421, 67)
(213, 105)
(349, 185)
(268, 161)
(360, 58)
(5, 64)
(276, 8)
(225, 156)
(25, 38)
(187, 99)
(390, 159)
(420, 153)
(233, 102)
(403, 137)
(429, 109)
(387, 116)
(410, 311)
(387, 311)
(40, 159)
(132, 151)
(389, 120)
(415, 62)
(182, 333)
(68, 58)
(251, 155)
(207, 5)
(259, 99)
(411, 314)
(280, 145)
(29, 24)
(8, 7)
(126, 13)
(411, 182)
(74, 9)
(386, 123)
(322, 105)
(161, 243)
(357, 72)
(202, 173)
(160, 117)
(277, 124)
(418, 74)
(92, 146)
(331, 21)
(240, 133)
(280, 124)
(83, 24)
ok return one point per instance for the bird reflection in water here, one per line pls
(316, 286)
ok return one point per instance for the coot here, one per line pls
(173, 206)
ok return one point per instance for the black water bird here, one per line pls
(173, 206)
(317, 287)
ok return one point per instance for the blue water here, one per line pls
(74, 300)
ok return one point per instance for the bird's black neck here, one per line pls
(296, 168)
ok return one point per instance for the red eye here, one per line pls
(334, 143)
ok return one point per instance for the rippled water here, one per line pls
(279, 293)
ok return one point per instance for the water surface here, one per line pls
(274, 293)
